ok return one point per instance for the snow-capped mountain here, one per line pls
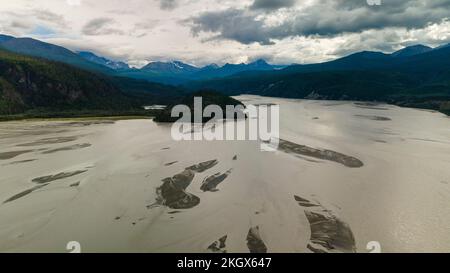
(175, 67)
(116, 65)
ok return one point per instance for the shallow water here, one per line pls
(103, 184)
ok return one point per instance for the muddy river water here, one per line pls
(344, 174)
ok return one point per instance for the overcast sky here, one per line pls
(219, 31)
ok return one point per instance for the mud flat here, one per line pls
(170, 163)
(46, 141)
(89, 123)
(376, 118)
(172, 193)
(219, 246)
(24, 193)
(328, 232)
(59, 176)
(68, 148)
(76, 184)
(254, 242)
(210, 183)
(304, 202)
(348, 161)
(201, 167)
(22, 161)
(398, 198)
(12, 154)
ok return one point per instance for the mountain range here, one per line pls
(115, 65)
(40, 87)
(412, 50)
(175, 72)
(28, 83)
(36, 48)
(416, 76)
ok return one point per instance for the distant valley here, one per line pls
(415, 76)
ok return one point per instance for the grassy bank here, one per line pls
(117, 115)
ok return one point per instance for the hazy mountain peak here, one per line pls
(367, 53)
(4, 38)
(260, 64)
(173, 67)
(412, 50)
(443, 46)
(103, 61)
(212, 66)
(36, 48)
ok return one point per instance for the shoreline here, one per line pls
(115, 118)
(150, 114)
(439, 106)
(78, 116)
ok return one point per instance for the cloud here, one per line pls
(168, 4)
(73, 2)
(321, 18)
(281, 31)
(122, 12)
(22, 25)
(231, 24)
(50, 17)
(25, 22)
(146, 25)
(101, 26)
(340, 16)
(15, 27)
(143, 28)
(272, 4)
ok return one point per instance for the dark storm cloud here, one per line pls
(323, 18)
(272, 4)
(231, 24)
(101, 26)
